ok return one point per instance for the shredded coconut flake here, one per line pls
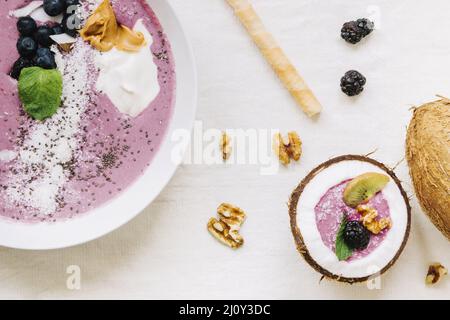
(40, 174)
(27, 10)
(7, 155)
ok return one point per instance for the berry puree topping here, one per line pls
(329, 212)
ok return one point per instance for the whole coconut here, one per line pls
(428, 155)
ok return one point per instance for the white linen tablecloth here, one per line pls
(167, 253)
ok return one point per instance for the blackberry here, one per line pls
(366, 26)
(354, 31)
(356, 236)
(351, 33)
(20, 64)
(352, 83)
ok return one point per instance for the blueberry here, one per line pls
(20, 64)
(54, 7)
(43, 34)
(26, 46)
(70, 3)
(43, 52)
(58, 29)
(26, 26)
(45, 58)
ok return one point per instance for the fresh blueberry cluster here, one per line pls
(34, 41)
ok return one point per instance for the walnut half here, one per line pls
(368, 218)
(435, 272)
(226, 228)
(287, 151)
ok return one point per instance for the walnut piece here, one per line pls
(226, 228)
(287, 151)
(368, 219)
(65, 47)
(435, 273)
(225, 146)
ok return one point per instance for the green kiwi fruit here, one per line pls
(362, 188)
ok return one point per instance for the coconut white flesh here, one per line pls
(7, 155)
(35, 9)
(63, 38)
(27, 10)
(324, 256)
(40, 15)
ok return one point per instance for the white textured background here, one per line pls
(167, 253)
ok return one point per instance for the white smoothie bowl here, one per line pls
(120, 210)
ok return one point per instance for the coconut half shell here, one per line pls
(296, 230)
(428, 156)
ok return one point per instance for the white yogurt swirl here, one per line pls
(129, 79)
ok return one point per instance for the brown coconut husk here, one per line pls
(428, 156)
(301, 247)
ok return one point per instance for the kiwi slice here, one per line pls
(362, 188)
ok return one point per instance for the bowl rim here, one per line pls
(99, 222)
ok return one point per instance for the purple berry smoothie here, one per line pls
(113, 149)
(330, 209)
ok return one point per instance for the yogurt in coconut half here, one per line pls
(316, 210)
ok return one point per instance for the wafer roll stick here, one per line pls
(285, 70)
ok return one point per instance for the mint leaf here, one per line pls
(40, 91)
(343, 252)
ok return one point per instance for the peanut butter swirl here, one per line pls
(103, 32)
